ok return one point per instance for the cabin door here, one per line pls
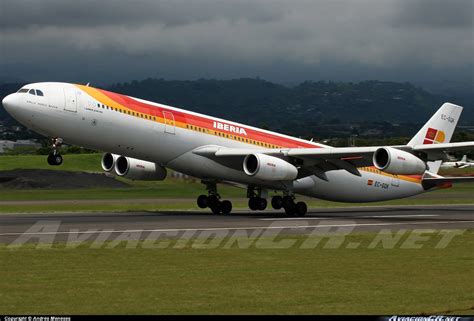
(170, 125)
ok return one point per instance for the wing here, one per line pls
(317, 161)
(439, 151)
(310, 161)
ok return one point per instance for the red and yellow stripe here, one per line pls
(408, 178)
(186, 120)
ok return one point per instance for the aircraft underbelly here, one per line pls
(345, 187)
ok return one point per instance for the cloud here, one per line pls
(437, 14)
(279, 40)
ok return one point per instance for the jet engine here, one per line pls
(108, 161)
(137, 169)
(398, 162)
(269, 168)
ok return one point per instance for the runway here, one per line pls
(140, 225)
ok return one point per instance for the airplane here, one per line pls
(141, 139)
(463, 163)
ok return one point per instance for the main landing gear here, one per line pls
(54, 157)
(257, 199)
(258, 202)
(291, 208)
(212, 200)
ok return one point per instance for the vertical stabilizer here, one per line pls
(440, 127)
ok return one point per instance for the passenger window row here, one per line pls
(230, 136)
(128, 112)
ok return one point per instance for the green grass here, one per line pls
(72, 162)
(221, 281)
(189, 204)
(167, 189)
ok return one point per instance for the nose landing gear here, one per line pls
(54, 157)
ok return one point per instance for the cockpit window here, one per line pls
(39, 93)
(23, 90)
(32, 92)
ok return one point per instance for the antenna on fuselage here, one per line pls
(87, 85)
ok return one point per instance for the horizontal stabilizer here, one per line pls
(431, 182)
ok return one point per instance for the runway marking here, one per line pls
(387, 216)
(339, 217)
(238, 228)
(297, 218)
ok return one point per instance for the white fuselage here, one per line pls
(132, 127)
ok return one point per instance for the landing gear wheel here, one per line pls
(253, 205)
(216, 208)
(202, 201)
(50, 160)
(58, 159)
(212, 200)
(55, 159)
(301, 209)
(277, 202)
(261, 204)
(257, 203)
(226, 207)
(290, 210)
(288, 202)
(289, 206)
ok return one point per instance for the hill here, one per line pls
(309, 109)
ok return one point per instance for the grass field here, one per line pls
(220, 281)
(83, 162)
(80, 280)
(183, 192)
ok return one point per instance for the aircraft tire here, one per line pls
(253, 205)
(58, 160)
(50, 160)
(55, 159)
(216, 208)
(226, 207)
(212, 200)
(301, 209)
(290, 210)
(288, 202)
(202, 201)
(262, 204)
(277, 202)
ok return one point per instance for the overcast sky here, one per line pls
(284, 41)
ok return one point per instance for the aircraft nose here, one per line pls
(7, 102)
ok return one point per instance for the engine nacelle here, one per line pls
(108, 161)
(137, 169)
(398, 162)
(269, 168)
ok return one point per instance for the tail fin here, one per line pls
(439, 129)
(464, 159)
